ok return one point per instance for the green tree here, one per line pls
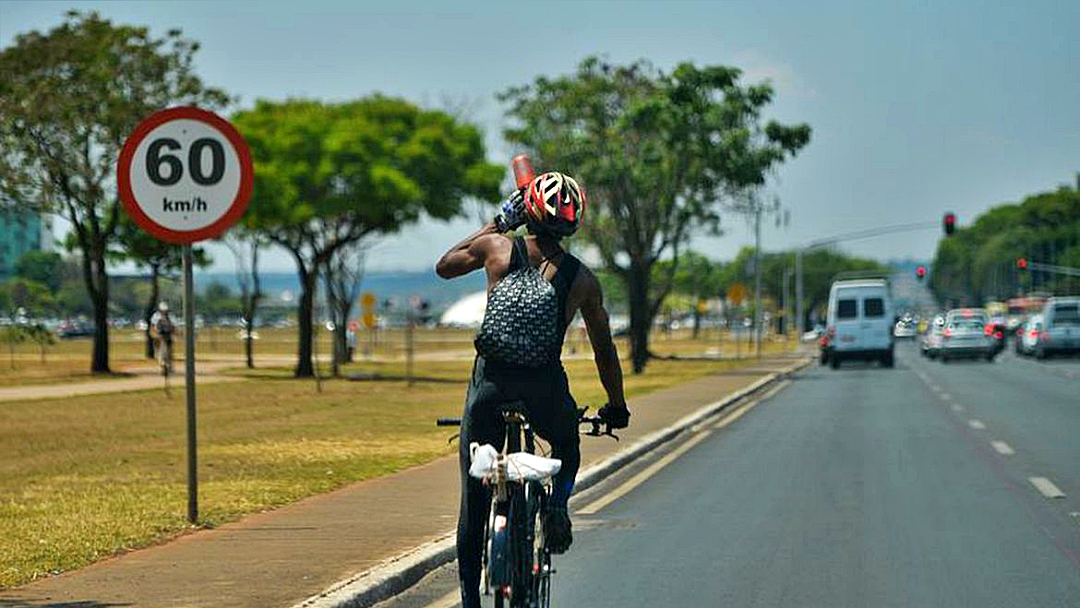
(68, 99)
(657, 152)
(331, 175)
(978, 263)
(696, 276)
(41, 266)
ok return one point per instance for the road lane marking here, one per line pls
(1046, 487)
(638, 479)
(641, 477)
(956, 407)
(935, 388)
(447, 601)
(1002, 448)
(946, 396)
(976, 424)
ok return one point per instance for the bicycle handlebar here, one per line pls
(595, 431)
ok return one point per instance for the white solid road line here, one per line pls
(976, 424)
(1047, 487)
(1002, 448)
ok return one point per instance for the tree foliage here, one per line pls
(657, 153)
(68, 99)
(330, 175)
(978, 263)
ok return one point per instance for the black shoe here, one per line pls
(557, 534)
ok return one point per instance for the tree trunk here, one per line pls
(331, 305)
(637, 282)
(148, 312)
(99, 297)
(697, 321)
(304, 364)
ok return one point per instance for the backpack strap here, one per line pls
(563, 281)
(519, 255)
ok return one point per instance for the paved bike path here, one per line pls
(279, 558)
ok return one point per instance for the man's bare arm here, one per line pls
(468, 255)
(604, 351)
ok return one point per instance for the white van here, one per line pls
(860, 321)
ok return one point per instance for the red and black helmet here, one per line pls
(554, 203)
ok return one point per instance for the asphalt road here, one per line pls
(926, 485)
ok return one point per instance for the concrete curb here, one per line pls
(397, 574)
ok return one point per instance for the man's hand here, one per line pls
(513, 212)
(618, 417)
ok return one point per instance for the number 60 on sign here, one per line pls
(185, 175)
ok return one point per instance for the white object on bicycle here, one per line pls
(520, 466)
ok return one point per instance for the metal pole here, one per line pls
(757, 281)
(799, 322)
(189, 379)
(409, 346)
(786, 306)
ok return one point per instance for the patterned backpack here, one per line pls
(523, 324)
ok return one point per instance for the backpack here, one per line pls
(524, 320)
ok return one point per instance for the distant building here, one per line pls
(19, 233)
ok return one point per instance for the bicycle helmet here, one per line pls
(554, 204)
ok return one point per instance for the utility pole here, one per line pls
(757, 278)
(800, 322)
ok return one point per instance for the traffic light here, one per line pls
(1022, 263)
(949, 223)
(920, 272)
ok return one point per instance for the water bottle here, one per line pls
(523, 170)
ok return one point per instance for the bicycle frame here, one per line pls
(516, 561)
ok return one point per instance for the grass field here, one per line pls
(82, 479)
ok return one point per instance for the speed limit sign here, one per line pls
(184, 175)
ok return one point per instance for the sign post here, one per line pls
(185, 175)
(189, 384)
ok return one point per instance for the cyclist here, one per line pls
(550, 207)
(163, 325)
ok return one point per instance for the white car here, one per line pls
(860, 322)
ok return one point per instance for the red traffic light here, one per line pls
(1022, 263)
(949, 223)
(920, 272)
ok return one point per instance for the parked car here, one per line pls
(965, 336)
(1061, 328)
(860, 322)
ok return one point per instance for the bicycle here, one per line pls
(516, 560)
(165, 357)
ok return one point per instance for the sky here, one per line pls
(916, 108)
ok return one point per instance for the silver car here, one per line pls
(965, 336)
(1061, 328)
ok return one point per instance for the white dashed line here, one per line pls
(976, 424)
(935, 388)
(946, 396)
(1046, 487)
(1002, 448)
(956, 407)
